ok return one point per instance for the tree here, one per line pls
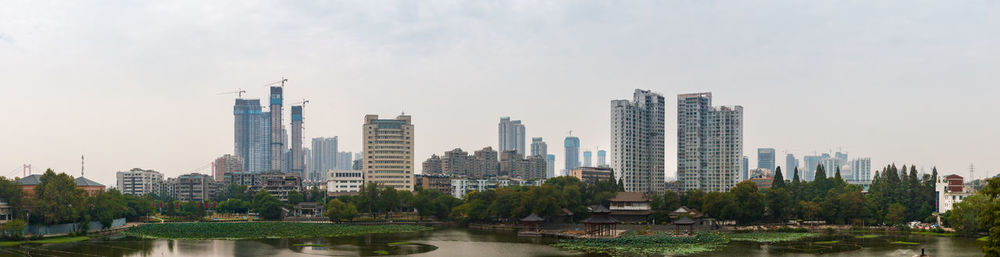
(13, 229)
(337, 210)
(895, 214)
(779, 203)
(58, 199)
(267, 206)
(965, 216)
(107, 206)
(295, 197)
(234, 205)
(778, 181)
(11, 191)
(671, 201)
(809, 210)
(749, 202)
(990, 217)
(193, 210)
(795, 177)
(138, 206)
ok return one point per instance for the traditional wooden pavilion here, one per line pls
(684, 221)
(600, 223)
(535, 220)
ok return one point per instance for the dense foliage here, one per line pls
(57, 200)
(508, 204)
(894, 198)
(257, 230)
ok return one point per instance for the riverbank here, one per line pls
(260, 230)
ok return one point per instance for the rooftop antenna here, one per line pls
(972, 169)
(26, 170)
(571, 132)
(81, 165)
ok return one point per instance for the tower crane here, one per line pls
(239, 92)
(303, 102)
(282, 82)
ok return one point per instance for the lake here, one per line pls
(464, 242)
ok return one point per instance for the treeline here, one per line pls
(894, 197)
(56, 200)
(505, 204)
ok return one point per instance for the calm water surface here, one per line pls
(463, 242)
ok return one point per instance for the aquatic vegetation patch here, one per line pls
(647, 244)
(904, 243)
(868, 236)
(53, 240)
(400, 243)
(770, 237)
(827, 242)
(258, 230)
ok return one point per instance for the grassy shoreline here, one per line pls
(261, 230)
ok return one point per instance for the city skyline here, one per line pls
(128, 96)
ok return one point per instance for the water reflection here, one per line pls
(463, 242)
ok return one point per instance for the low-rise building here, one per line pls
(139, 182)
(344, 182)
(950, 191)
(277, 184)
(192, 187)
(29, 183)
(630, 206)
(592, 174)
(440, 183)
(762, 182)
(5, 211)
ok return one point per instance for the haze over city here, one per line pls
(137, 84)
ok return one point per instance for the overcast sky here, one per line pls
(135, 83)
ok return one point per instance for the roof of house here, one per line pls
(601, 219)
(629, 197)
(33, 179)
(36, 179)
(83, 182)
(532, 218)
(598, 209)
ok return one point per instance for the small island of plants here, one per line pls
(258, 230)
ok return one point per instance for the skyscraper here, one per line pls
(765, 159)
(277, 129)
(387, 158)
(709, 143)
(809, 171)
(790, 164)
(298, 157)
(511, 135)
(602, 158)
(572, 145)
(539, 147)
(746, 168)
(550, 166)
(325, 156)
(637, 141)
(862, 168)
(251, 131)
(587, 157)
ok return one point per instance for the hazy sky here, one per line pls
(135, 83)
